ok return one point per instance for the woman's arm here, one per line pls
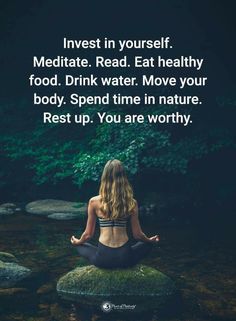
(90, 226)
(137, 232)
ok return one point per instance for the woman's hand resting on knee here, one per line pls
(75, 241)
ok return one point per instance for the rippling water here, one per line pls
(201, 260)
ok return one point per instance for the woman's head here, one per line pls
(115, 190)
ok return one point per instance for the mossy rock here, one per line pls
(11, 274)
(61, 208)
(142, 286)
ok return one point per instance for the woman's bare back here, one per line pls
(112, 236)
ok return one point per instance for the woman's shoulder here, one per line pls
(95, 199)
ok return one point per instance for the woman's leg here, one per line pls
(140, 250)
(87, 250)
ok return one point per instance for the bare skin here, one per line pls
(111, 236)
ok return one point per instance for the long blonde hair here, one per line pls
(116, 192)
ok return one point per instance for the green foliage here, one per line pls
(56, 152)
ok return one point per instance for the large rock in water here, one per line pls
(142, 286)
(59, 208)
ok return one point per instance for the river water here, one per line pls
(200, 258)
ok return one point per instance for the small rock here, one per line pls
(46, 288)
(8, 205)
(7, 209)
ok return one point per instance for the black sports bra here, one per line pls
(106, 222)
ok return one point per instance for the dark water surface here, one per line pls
(200, 258)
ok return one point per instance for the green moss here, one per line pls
(144, 286)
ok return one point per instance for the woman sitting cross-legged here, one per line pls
(114, 207)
